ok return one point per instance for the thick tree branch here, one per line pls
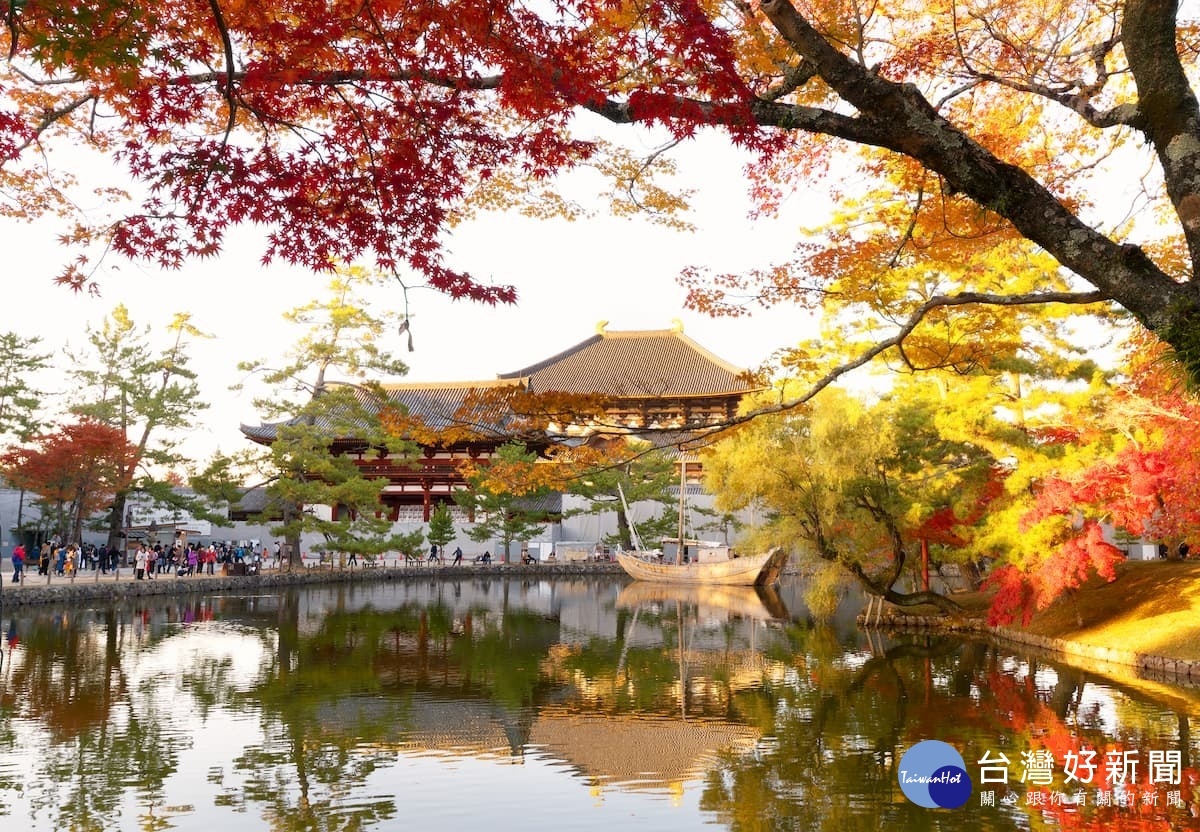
(227, 48)
(1168, 107)
(908, 124)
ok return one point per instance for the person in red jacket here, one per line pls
(18, 562)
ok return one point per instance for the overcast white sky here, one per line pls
(570, 276)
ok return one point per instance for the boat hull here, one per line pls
(763, 570)
(761, 603)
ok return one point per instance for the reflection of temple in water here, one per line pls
(427, 695)
(638, 752)
(635, 751)
(434, 706)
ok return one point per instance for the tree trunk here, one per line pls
(623, 535)
(291, 541)
(116, 521)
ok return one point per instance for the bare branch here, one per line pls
(227, 45)
(707, 436)
(52, 117)
(1127, 115)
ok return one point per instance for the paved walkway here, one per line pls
(35, 581)
(122, 583)
(126, 573)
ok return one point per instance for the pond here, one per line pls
(581, 704)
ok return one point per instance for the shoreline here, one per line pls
(87, 586)
(1149, 666)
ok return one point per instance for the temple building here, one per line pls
(655, 381)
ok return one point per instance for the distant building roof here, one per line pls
(661, 363)
(445, 404)
(439, 405)
(254, 502)
(647, 364)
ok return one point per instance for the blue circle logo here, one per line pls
(933, 775)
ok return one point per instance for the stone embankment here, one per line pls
(1157, 668)
(86, 587)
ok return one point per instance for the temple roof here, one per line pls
(441, 404)
(661, 363)
(654, 364)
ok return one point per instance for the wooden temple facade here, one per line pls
(650, 381)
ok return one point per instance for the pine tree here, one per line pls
(441, 527)
(20, 402)
(310, 410)
(153, 398)
(503, 497)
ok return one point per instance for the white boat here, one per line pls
(748, 570)
(698, 561)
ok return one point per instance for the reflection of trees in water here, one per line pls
(339, 702)
(839, 729)
(339, 696)
(102, 738)
(678, 653)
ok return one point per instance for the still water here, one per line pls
(585, 704)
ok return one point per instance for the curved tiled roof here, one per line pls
(652, 364)
(440, 405)
(647, 364)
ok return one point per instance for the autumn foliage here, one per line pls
(77, 469)
(367, 130)
(1136, 470)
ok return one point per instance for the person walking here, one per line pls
(457, 556)
(18, 562)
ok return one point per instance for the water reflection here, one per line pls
(577, 703)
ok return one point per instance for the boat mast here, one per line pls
(682, 486)
(634, 537)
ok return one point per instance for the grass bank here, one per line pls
(1152, 607)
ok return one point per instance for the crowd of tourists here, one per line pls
(192, 559)
(55, 557)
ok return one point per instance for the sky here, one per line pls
(569, 275)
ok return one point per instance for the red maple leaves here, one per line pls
(1144, 482)
(77, 469)
(349, 131)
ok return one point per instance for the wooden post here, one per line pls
(924, 564)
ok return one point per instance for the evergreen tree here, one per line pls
(152, 398)
(20, 401)
(21, 405)
(311, 410)
(645, 475)
(503, 497)
(441, 527)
